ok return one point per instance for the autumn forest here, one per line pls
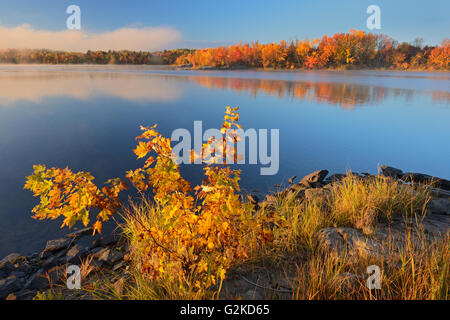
(352, 50)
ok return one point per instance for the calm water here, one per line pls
(86, 117)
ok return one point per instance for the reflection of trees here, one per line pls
(345, 95)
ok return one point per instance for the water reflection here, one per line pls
(343, 94)
(36, 83)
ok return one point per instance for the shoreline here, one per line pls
(22, 277)
(210, 68)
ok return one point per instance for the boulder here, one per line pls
(391, 172)
(297, 187)
(440, 206)
(252, 294)
(55, 245)
(108, 240)
(5, 269)
(347, 282)
(108, 256)
(291, 180)
(38, 281)
(75, 253)
(350, 242)
(9, 285)
(50, 262)
(317, 176)
(336, 177)
(119, 265)
(12, 258)
(80, 233)
(424, 178)
(436, 226)
(22, 295)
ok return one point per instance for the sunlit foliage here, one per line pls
(195, 234)
(194, 239)
(72, 195)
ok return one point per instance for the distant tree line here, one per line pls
(16, 56)
(355, 49)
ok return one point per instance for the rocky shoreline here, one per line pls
(22, 277)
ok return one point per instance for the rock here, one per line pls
(5, 269)
(297, 187)
(55, 245)
(37, 281)
(96, 263)
(11, 296)
(96, 249)
(424, 178)
(346, 241)
(118, 266)
(440, 193)
(291, 180)
(347, 282)
(443, 184)
(252, 294)
(436, 225)
(391, 172)
(9, 285)
(18, 274)
(336, 177)
(49, 262)
(75, 253)
(24, 267)
(317, 176)
(12, 258)
(108, 240)
(440, 206)
(78, 234)
(108, 256)
(21, 295)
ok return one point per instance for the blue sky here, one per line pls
(202, 23)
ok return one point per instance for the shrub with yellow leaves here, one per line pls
(194, 235)
(196, 238)
(72, 195)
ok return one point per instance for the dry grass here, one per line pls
(418, 271)
(139, 217)
(413, 268)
